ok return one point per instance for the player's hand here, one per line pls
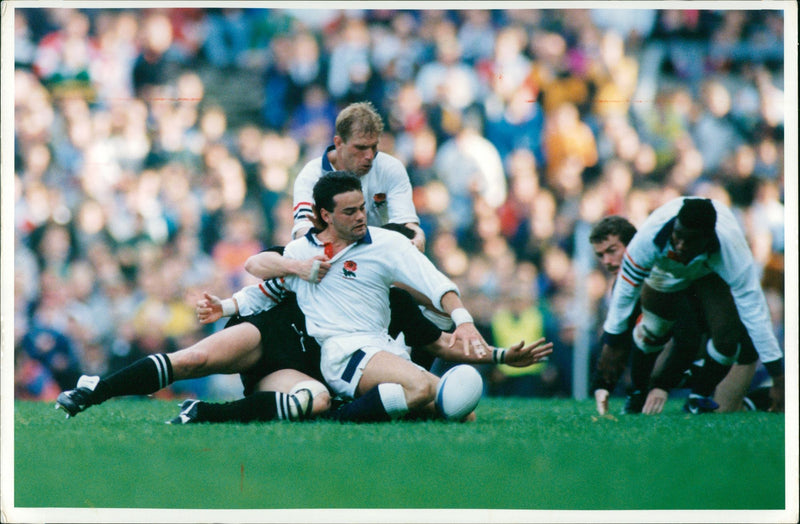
(313, 269)
(419, 236)
(601, 400)
(520, 355)
(209, 309)
(654, 403)
(777, 395)
(467, 336)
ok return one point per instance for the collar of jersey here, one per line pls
(326, 164)
(312, 237)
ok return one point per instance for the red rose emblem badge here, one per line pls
(349, 270)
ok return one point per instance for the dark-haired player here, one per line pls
(692, 245)
(609, 238)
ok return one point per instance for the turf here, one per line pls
(521, 454)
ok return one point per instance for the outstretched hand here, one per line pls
(519, 355)
(209, 309)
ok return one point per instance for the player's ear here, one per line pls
(322, 217)
(337, 141)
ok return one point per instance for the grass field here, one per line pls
(521, 454)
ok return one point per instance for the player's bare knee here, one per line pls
(322, 403)
(189, 362)
(419, 393)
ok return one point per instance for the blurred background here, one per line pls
(155, 150)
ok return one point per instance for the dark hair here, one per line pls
(698, 213)
(612, 225)
(358, 118)
(328, 186)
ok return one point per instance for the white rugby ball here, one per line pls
(459, 391)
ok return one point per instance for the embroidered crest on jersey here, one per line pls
(349, 269)
(379, 199)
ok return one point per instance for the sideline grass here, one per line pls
(521, 454)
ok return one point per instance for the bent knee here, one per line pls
(420, 393)
(188, 363)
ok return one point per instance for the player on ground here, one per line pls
(693, 245)
(272, 353)
(609, 237)
(347, 310)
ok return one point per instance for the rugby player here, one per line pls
(609, 238)
(694, 246)
(348, 313)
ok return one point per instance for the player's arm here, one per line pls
(754, 314)
(247, 301)
(270, 264)
(518, 355)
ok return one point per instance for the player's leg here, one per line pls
(731, 392)
(726, 332)
(659, 311)
(286, 394)
(227, 351)
(290, 380)
(389, 376)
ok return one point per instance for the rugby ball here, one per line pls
(458, 392)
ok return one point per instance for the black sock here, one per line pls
(641, 368)
(260, 406)
(366, 408)
(709, 376)
(146, 375)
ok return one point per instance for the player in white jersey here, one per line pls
(347, 311)
(384, 182)
(693, 245)
(608, 238)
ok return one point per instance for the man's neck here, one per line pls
(333, 243)
(332, 158)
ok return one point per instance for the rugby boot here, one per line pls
(73, 401)
(697, 404)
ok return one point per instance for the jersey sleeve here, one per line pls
(400, 195)
(413, 269)
(737, 268)
(637, 262)
(259, 297)
(303, 196)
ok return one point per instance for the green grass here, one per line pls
(521, 454)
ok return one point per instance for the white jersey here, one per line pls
(649, 259)
(386, 187)
(354, 295)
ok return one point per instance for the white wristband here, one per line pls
(461, 316)
(228, 307)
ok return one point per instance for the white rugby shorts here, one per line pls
(343, 359)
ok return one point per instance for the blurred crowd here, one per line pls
(138, 185)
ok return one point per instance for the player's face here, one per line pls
(357, 154)
(609, 252)
(688, 243)
(349, 217)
